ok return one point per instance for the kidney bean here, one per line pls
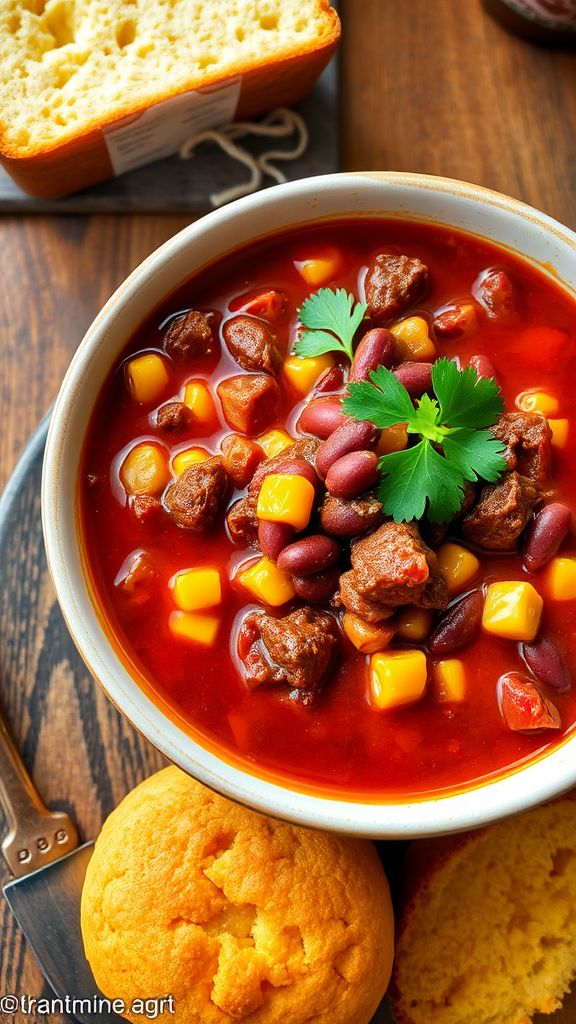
(375, 349)
(322, 416)
(273, 538)
(484, 367)
(297, 467)
(523, 707)
(544, 659)
(416, 377)
(352, 436)
(310, 555)
(317, 589)
(352, 474)
(331, 380)
(458, 625)
(350, 518)
(545, 534)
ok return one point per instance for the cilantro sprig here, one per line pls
(330, 318)
(454, 443)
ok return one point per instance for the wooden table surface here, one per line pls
(436, 87)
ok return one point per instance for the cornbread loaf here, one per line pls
(233, 914)
(70, 70)
(487, 934)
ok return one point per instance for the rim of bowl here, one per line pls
(484, 802)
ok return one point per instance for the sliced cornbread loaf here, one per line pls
(487, 934)
(70, 68)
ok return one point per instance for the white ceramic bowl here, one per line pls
(477, 210)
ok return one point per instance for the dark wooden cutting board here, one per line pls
(82, 754)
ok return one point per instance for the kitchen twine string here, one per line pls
(278, 124)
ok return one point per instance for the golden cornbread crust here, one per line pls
(71, 68)
(487, 930)
(235, 915)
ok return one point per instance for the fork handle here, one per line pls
(36, 836)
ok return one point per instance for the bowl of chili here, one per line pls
(308, 496)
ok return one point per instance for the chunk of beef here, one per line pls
(393, 283)
(250, 401)
(173, 418)
(394, 566)
(253, 344)
(241, 519)
(189, 335)
(136, 576)
(528, 441)
(197, 499)
(350, 598)
(295, 650)
(501, 513)
(146, 508)
(242, 523)
(241, 457)
(494, 291)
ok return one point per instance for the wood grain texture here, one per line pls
(442, 88)
(433, 87)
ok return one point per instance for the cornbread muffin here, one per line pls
(235, 915)
(70, 69)
(487, 934)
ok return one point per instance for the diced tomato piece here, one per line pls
(271, 305)
(524, 708)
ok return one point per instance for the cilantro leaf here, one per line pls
(454, 446)
(316, 343)
(416, 478)
(329, 310)
(466, 400)
(476, 453)
(385, 401)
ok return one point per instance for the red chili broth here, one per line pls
(342, 745)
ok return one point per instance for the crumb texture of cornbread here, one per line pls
(236, 915)
(69, 66)
(488, 932)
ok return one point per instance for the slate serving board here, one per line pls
(82, 754)
(181, 186)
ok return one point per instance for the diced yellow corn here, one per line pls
(286, 498)
(367, 637)
(267, 583)
(449, 681)
(274, 441)
(457, 565)
(559, 430)
(414, 623)
(303, 372)
(201, 629)
(320, 269)
(413, 339)
(397, 678)
(196, 589)
(537, 401)
(561, 579)
(392, 439)
(198, 398)
(189, 457)
(145, 469)
(512, 610)
(146, 377)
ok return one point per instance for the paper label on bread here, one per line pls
(160, 131)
